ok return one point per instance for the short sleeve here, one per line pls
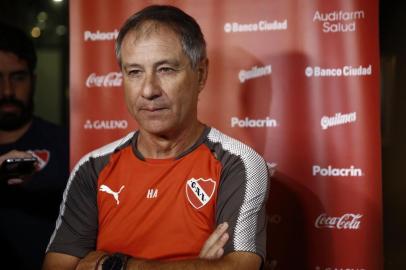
(77, 225)
(243, 192)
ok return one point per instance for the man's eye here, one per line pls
(20, 76)
(134, 72)
(166, 70)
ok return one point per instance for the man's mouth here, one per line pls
(8, 107)
(153, 109)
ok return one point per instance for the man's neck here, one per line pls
(12, 136)
(161, 147)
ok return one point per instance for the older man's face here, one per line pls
(161, 88)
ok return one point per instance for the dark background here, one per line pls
(53, 78)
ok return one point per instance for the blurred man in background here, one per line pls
(29, 204)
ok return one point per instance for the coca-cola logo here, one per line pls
(112, 79)
(338, 268)
(345, 222)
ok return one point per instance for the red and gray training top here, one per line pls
(118, 201)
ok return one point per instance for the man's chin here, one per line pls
(11, 121)
(157, 128)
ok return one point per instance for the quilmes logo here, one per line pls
(263, 25)
(253, 123)
(254, 72)
(111, 79)
(337, 119)
(347, 221)
(106, 124)
(338, 20)
(99, 35)
(330, 171)
(200, 191)
(346, 71)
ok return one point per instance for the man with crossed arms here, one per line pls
(175, 194)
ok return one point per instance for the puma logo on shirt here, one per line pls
(108, 190)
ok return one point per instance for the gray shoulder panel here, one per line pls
(243, 191)
(77, 225)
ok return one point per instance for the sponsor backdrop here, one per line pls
(296, 80)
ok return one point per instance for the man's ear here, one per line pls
(203, 70)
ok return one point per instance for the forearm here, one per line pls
(197, 264)
(232, 261)
(59, 261)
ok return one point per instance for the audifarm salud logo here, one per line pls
(338, 20)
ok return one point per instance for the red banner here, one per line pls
(297, 80)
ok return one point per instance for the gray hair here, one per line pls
(189, 32)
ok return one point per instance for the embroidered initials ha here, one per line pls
(152, 193)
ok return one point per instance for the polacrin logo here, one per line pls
(253, 123)
(340, 172)
(100, 35)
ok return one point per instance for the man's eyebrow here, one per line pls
(172, 62)
(131, 65)
(20, 72)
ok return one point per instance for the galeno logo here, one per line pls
(106, 124)
(100, 36)
(112, 79)
(330, 171)
(263, 25)
(345, 222)
(255, 72)
(339, 21)
(337, 119)
(250, 123)
(346, 71)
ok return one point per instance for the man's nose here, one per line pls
(151, 88)
(6, 87)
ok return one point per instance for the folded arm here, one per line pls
(231, 261)
(210, 257)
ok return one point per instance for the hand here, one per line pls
(15, 154)
(213, 247)
(89, 262)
